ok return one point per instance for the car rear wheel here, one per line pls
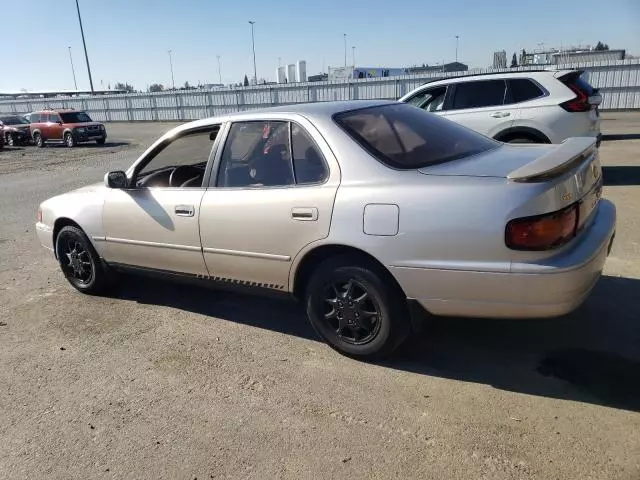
(38, 140)
(80, 263)
(357, 308)
(11, 140)
(69, 140)
(101, 141)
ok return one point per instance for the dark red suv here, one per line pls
(65, 126)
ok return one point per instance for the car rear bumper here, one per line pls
(45, 235)
(550, 288)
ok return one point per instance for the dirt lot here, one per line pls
(169, 381)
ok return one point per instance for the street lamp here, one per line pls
(457, 38)
(75, 84)
(86, 56)
(344, 35)
(253, 44)
(173, 82)
(353, 55)
(219, 70)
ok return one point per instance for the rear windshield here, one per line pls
(406, 137)
(13, 120)
(75, 117)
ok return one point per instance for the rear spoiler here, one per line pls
(570, 152)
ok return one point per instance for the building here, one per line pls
(556, 56)
(500, 59)
(302, 71)
(447, 67)
(321, 77)
(346, 73)
(281, 75)
(291, 73)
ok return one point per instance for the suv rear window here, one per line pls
(405, 137)
(523, 89)
(477, 94)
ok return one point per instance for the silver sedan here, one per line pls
(359, 209)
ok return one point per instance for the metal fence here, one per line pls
(618, 81)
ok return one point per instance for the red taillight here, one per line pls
(542, 232)
(578, 104)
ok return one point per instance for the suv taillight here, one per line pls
(543, 232)
(578, 104)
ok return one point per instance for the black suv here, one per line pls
(15, 130)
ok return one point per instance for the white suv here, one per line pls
(545, 106)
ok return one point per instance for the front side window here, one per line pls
(75, 117)
(180, 163)
(54, 118)
(478, 94)
(404, 137)
(257, 154)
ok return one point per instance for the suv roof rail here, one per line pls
(533, 70)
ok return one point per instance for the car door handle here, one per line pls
(500, 114)
(184, 210)
(304, 214)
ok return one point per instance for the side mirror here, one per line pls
(116, 179)
(59, 122)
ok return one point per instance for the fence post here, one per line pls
(127, 104)
(107, 111)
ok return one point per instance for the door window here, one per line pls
(257, 154)
(308, 164)
(180, 163)
(486, 93)
(430, 100)
(523, 89)
(54, 118)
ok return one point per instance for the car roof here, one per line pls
(498, 75)
(57, 110)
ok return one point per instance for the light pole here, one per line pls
(353, 55)
(457, 38)
(86, 56)
(344, 35)
(75, 84)
(219, 70)
(253, 45)
(173, 82)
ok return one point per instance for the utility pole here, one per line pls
(86, 56)
(173, 82)
(253, 44)
(344, 35)
(457, 38)
(219, 70)
(75, 84)
(353, 55)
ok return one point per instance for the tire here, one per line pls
(341, 296)
(521, 140)
(101, 141)
(11, 140)
(69, 141)
(38, 140)
(79, 262)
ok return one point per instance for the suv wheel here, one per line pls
(38, 140)
(69, 140)
(356, 308)
(11, 140)
(101, 141)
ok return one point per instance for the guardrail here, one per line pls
(618, 81)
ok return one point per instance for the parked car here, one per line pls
(66, 126)
(15, 130)
(360, 209)
(544, 106)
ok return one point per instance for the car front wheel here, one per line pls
(11, 140)
(38, 140)
(101, 141)
(69, 140)
(79, 262)
(357, 308)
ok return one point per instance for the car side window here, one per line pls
(308, 163)
(54, 118)
(257, 154)
(432, 100)
(523, 89)
(180, 162)
(35, 118)
(485, 93)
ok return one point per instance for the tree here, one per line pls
(246, 81)
(124, 86)
(187, 86)
(514, 60)
(601, 46)
(156, 87)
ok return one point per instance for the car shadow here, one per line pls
(89, 145)
(591, 355)
(621, 175)
(621, 136)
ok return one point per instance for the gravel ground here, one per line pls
(169, 381)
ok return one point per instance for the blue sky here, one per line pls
(128, 40)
